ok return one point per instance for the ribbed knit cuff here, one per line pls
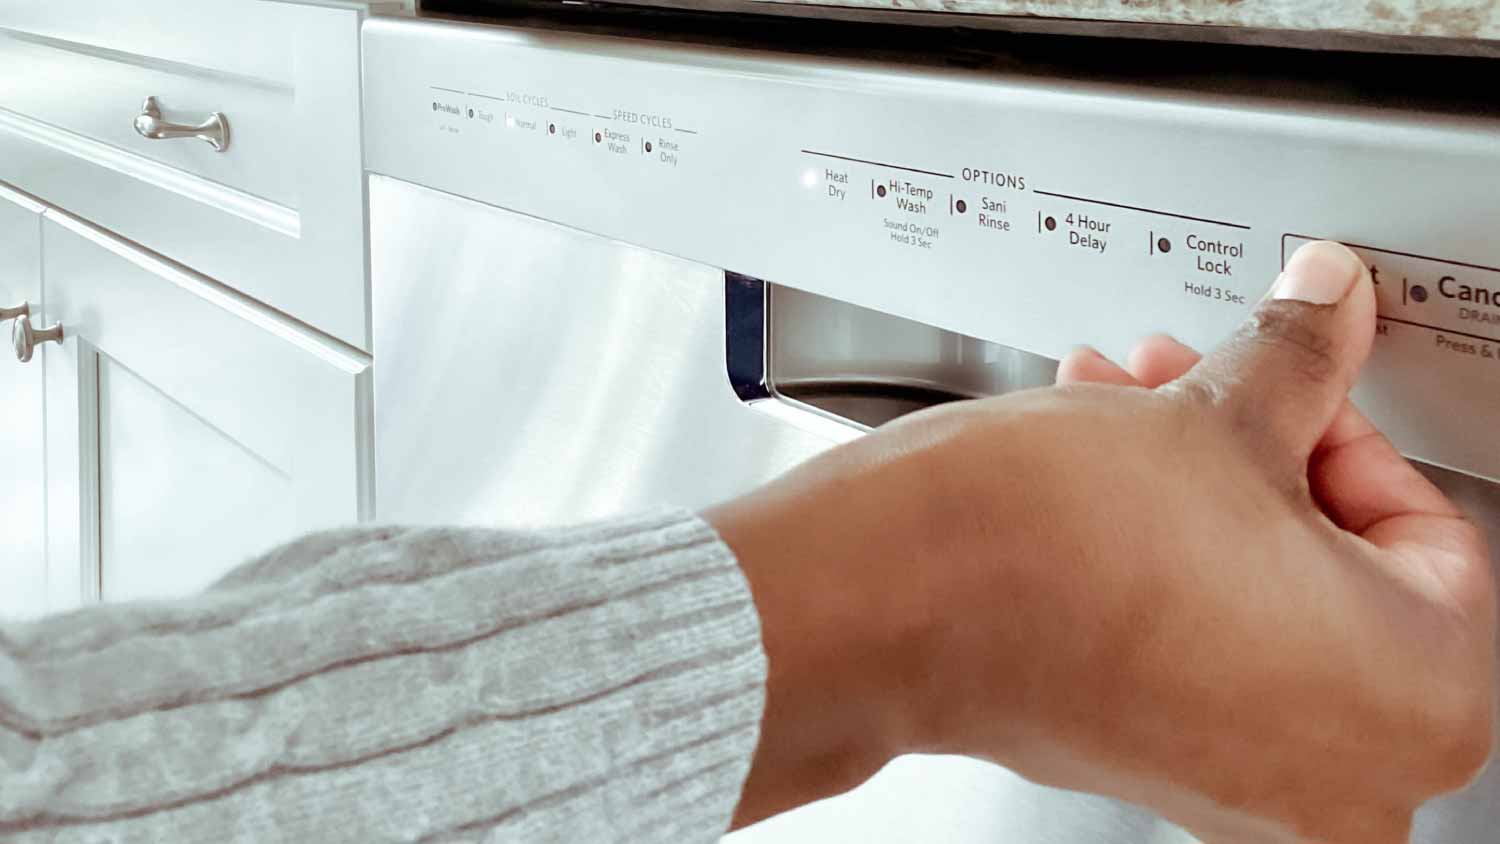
(603, 683)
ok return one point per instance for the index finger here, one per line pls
(1362, 481)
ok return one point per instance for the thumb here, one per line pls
(1284, 375)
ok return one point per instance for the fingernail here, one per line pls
(1320, 273)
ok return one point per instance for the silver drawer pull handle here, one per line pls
(214, 130)
(26, 338)
(23, 309)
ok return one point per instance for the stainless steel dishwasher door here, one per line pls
(536, 375)
(530, 374)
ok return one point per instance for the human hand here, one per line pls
(1223, 595)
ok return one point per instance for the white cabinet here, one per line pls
(211, 394)
(23, 562)
(187, 426)
(278, 214)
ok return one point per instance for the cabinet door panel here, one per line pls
(170, 485)
(202, 426)
(23, 563)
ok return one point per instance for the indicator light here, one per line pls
(880, 191)
(1050, 223)
(962, 206)
(1164, 245)
(1418, 293)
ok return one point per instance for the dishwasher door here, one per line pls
(531, 374)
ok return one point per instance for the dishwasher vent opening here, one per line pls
(859, 365)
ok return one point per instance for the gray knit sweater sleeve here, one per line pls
(596, 684)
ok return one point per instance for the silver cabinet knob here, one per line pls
(26, 338)
(23, 309)
(214, 130)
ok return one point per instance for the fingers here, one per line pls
(1361, 481)
(1283, 377)
(1366, 487)
(1358, 478)
(1160, 360)
(1084, 365)
(1356, 475)
(1156, 361)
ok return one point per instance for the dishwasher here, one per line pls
(631, 258)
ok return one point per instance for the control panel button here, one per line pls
(1458, 301)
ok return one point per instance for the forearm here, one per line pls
(833, 556)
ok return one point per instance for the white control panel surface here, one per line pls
(1033, 213)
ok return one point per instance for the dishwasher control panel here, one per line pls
(1036, 213)
(1457, 302)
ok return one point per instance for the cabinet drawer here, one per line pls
(94, 96)
(277, 214)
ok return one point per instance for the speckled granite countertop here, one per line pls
(1444, 26)
(1440, 18)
